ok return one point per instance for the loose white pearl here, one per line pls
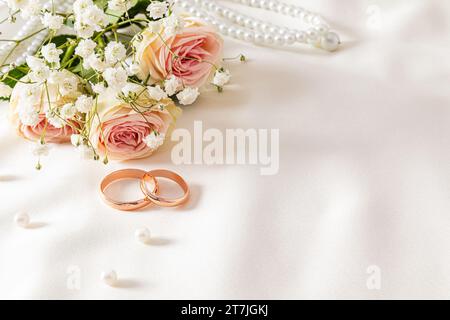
(142, 235)
(109, 277)
(330, 41)
(22, 219)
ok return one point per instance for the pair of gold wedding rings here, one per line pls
(151, 193)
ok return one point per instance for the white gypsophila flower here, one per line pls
(188, 96)
(172, 85)
(119, 5)
(84, 30)
(53, 22)
(173, 24)
(30, 94)
(86, 152)
(69, 83)
(98, 88)
(85, 48)
(156, 93)
(131, 88)
(116, 77)
(80, 5)
(16, 4)
(94, 16)
(68, 111)
(5, 90)
(133, 68)
(51, 53)
(76, 139)
(31, 10)
(40, 149)
(54, 119)
(95, 62)
(115, 52)
(158, 9)
(154, 140)
(154, 26)
(40, 74)
(34, 63)
(84, 104)
(221, 77)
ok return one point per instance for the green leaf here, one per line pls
(70, 22)
(139, 7)
(15, 75)
(102, 4)
(62, 39)
(88, 74)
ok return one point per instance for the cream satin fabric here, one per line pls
(362, 191)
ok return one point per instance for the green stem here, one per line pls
(7, 18)
(68, 55)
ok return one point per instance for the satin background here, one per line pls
(363, 183)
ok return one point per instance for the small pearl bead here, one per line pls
(313, 37)
(279, 40)
(109, 277)
(232, 31)
(22, 219)
(240, 34)
(248, 23)
(259, 38)
(289, 38)
(330, 41)
(223, 28)
(300, 36)
(265, 27)
(322, 29)
(274, 29)
(268, 38)
(142, 235)
(249, 36)
(240, 20)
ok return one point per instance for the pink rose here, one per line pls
(122, 132)
(45, 130)
(198, 47)
(34, 97)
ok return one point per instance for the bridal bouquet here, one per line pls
(113, 83)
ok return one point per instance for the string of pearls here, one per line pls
(28, 28)
(242, 27)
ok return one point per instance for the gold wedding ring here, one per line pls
(123, 175)
(151, 194)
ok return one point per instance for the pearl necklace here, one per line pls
(230, 22)
(242, 27)
(29, 27)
